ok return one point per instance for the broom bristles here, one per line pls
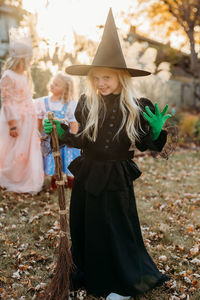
(59, 286)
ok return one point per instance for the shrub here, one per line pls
(197, 131)
(187, 125)
(41, 79)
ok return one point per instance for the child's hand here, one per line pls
(48, 127)
(157, 120)
(13, 132)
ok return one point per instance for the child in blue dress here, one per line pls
(61, 102)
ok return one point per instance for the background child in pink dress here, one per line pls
(21, 168)
(61, 102)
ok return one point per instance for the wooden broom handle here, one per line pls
(59, 175)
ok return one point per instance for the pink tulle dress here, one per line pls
(21, 166)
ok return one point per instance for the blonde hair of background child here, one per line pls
(19, 63)
(128, 106)
(68, 93)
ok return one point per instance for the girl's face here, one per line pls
(106, 81)
(57, 87)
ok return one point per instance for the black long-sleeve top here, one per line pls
(108, 153)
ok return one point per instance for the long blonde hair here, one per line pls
(68, 93)
(19, 64)
(128, 106)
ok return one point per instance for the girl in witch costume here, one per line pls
(21, 168)
(107, 245)
(61, 102)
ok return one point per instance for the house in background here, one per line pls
(185, 88)
(10, 16)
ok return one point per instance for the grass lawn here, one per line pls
(168, 199)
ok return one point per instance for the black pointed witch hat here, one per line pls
(109, 53)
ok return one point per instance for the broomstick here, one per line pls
(59, 286)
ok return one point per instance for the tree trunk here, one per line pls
(194, 66)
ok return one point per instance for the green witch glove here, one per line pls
(48, 127)
(157, 120)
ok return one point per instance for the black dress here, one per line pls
(107, 244)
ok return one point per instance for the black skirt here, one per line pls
(107, 244)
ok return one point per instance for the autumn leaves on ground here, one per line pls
(168, 199)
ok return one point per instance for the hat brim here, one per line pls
(82, 70)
